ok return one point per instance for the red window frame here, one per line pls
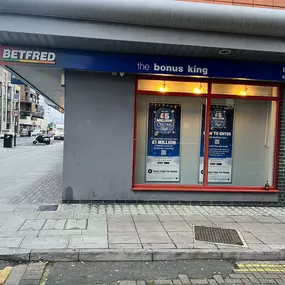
(206, 187)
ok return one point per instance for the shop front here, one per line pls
(205, 135)
(148, 128)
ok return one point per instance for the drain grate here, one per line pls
(217, 235)
(43, 208)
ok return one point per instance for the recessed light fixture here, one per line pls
(224, 51)
(163, 88)
(198, 90)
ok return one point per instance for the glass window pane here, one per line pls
(158, 161)
(242, 141)
(172, 86)
(244, 90)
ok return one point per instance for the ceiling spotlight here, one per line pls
(224, 51)
(198, 90)
(244, 92)
(163, 88)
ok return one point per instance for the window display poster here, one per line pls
(220, 144)
(163, 144)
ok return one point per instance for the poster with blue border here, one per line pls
(220, 144)
(163, 142)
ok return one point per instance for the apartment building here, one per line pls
(32, 113)
(9, 101)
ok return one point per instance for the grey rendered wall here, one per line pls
(98, 150)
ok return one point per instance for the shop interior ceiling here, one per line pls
(163, 27)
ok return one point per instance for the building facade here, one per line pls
(170, 101)
(9, 101)
(32, 113)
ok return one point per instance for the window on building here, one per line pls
(182, 125)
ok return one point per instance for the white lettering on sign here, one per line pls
(28, 56)
(190, 69)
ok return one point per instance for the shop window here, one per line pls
(241, 142)
(168, 139)
(181, 125)
(165, 86)
(244, 90)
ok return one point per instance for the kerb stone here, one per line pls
(197, 254)
(55, 255)
(15, 254)
(114, 255)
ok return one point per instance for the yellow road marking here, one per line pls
(261, 264)
(260, 267)
(4, 274)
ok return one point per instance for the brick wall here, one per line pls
(272, 4)
(281, 161)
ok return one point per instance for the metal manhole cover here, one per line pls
(217, 235)
(43, 208)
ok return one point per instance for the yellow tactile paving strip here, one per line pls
(260, 267)
(4, 274)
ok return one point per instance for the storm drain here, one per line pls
(43, 208)
(217, 235)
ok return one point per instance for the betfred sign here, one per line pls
(142, 64)
(28, 56)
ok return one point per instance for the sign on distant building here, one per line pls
(15, 112)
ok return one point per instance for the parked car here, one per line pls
(59, 136)
(24, 133)
(36, 132)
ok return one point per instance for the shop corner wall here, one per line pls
(98, 150)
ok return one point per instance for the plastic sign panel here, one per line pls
(16, 80)
(220, 145)
(141, 64)
(163, 149)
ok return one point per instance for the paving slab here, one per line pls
(76, 224)
(125, 237)
(32, 225)
(60, 232)
(54, 224)
(158, 245)
(176, 226)
(125, 245)
(122, 227)
(148, 226)
(11, 241)
(45, 242)
(182, 237)
(154, 237)
(95, 241)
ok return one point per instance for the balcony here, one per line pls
(26, 99)
(25, 114)
(39, 115)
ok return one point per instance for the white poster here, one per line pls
(159, 169)
(219, 170)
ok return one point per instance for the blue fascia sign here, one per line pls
(142, 64)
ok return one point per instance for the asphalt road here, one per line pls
(66, 273)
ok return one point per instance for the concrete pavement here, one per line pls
(88, 232)
(24, 167)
